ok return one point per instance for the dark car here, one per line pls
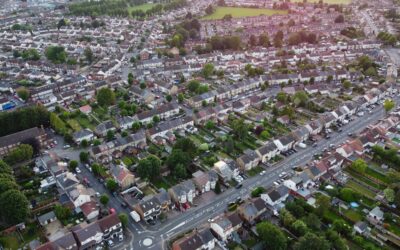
(239, 186)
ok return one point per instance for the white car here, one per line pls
(78, 170)
(263, 172)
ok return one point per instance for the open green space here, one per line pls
(143, 7)
(74, 124)
(220, 12)
(360, 189)
(324, 1)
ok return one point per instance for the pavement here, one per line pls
(144, 237)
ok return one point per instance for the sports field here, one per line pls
(325, 1)
(143, 7)
(220, 12)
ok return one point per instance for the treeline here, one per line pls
(387, 38)
(302, 37)
(13, 203)
(120, 8)
(187, 29)
(22, 119)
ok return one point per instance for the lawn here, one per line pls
(360, 189)
(255, 171)
(353, 215)
(10, 242)
(143, 7)
(160, 183)
(220, 12)
(325, 1)
(85, 122)
(377, 175)
(74, 124)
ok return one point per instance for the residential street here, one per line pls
(155, 238)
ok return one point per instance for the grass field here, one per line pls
(220, 12)
(325, 1)
(143, 7)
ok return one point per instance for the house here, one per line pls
(226, 170)
(88, 236)
(79, 195)
(90, 210)
(149, 209)
(9, 142)
(122, 176)
(47, 218)
(301, 134)
(226, 224)
(315, 127)
(86, 109)
(267, 152)
(276, 196)
(125, 122)
(111, 227)
(102, 129)
(201, 239)
(361, 227)
(84, 134)
(205, 181)
(248, 160)
(183, 194)
(251, 211)
(66, 241)
(286, 142)
(298, 182)
(375, 215)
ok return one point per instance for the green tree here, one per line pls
(208, 70)
(347, 194)
(272, 236)
(346, 84)
(311, 241)
(104, 199)
(84, 143)
(23, 93)
(84, 156)
(388, 105)
(73, 165)
(240, 129)
(299, 228)
(124, 219)
(149, 168)
(286, 218)
(323, 203)
(168, 98)
(62, 213)
(312, 221)
(210, 125)
(105, 97)
(111, 184)
(180, 171)
(217, 187)
(88, 54)
(7, 184)
(5, 168)
(180, 97)
(193, 86)
(300, 98)
(389, 194)
(13, 207)
(57, 124)
(186, 145)
(21, 153)
(110, 135)
(56, 54)
(359, 165)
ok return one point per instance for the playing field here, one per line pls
(325, 1)
(143, 7)
(220, 12)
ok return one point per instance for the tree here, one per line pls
(110, 135)
(210, 125)
(156, 119)
(299, 228)
(208, 70)
(300, 98)
(272, 236)
(62, 213)
(389, 194)
(88, 54)
(252, 41)
(84, 143)
(265, 135)
(347, 194)
(105, 97)
(217, 187)
(5, 168)
(104, 199)
(84, 156)
(130, 78)
(312, 221)
(346, 84)
(30, 54)
(111, 184)
(180, 97)
(311, 241)
(339, 19)
(142, 85)
(388, 105)
(124, 219)
(263, 40)
(180, 171)
(13, 207)
(57, 124)
(73, 165)
(240, 129)
(168, 98)
(323, 203)
(342, 227)
(21, 153)
(337, 242)
(187, 146)
(56, 54)
(359, 165)
(209, 10)
(149, 167)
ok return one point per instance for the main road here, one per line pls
(199, 215)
